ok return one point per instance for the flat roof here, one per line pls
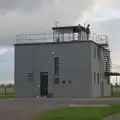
(62, 42)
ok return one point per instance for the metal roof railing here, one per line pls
(48, 37)
(34, 38)
(99, 39)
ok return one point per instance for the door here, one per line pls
(102, 89)
(43, 83)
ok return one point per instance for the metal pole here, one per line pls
(73, 36)
(5, 90)
(116, 79)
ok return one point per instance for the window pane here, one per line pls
(95, 52)
(108, 80)
(56, 66)
(98, 77)
(94, 77)
(56, 81)
(98, 53)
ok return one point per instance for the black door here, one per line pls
(44, 83)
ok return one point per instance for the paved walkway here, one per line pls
(25, 109)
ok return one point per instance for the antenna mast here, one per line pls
(56, 23)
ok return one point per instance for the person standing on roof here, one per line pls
(88, 31)
(79, 32)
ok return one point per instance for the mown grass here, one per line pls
(82, 113)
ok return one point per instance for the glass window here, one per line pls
(56, 81)
(98, 53)
(95, 52)
(56, 66)
(94, 77)
(108, 80)
(98, 78)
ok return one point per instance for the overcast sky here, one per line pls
(36, 16)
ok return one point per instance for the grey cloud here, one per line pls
(112, 29)
(31, 4)
(114, 4)
(41, 20)
(22, 4)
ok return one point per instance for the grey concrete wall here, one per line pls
(74, 66)
(97, 66)
(107, 87)
(24, 62)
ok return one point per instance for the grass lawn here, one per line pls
(84, 113)
(6, 96)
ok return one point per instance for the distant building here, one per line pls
(64, 63)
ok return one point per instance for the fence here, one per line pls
(6, 91)
(116, 89)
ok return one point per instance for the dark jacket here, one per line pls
(88, 30)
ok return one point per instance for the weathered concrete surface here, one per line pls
(25, 109)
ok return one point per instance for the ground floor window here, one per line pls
(94, 77)
(108, 80)
(56, 80)
(98, 78)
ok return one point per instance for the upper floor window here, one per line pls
(94, 52)
(98, 53)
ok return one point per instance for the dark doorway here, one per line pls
(43, 83)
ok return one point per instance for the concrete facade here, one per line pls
(77, 63)
(97, 67)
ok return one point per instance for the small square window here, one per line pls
(56, 81)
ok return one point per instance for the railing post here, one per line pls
(5, 91)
